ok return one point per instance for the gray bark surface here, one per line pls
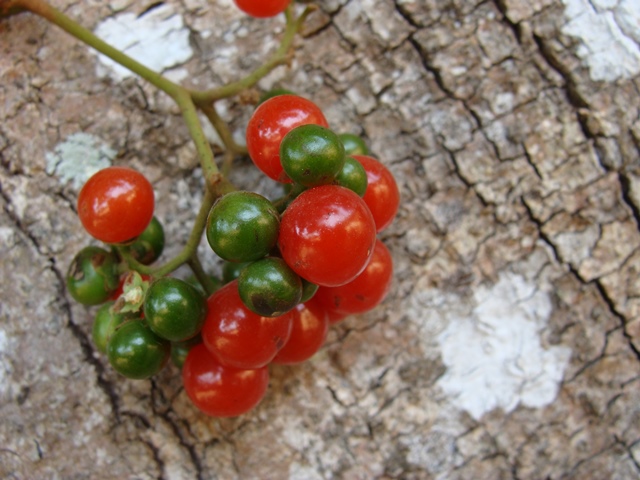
(515, 168)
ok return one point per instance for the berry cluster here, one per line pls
(292, 266)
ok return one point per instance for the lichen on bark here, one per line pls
(513, 163)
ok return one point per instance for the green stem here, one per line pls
(222, 128)
(46, 11)
(191, 246)
(179, 94)
(132, 263)
(201, 275)
(280, 57)
(188, 251)
(282, 202)
(227, 163)
(205, 154)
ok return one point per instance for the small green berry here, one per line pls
(353, 144)
(269, 287)
(312, 155)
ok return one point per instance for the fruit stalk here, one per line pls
(281, 56)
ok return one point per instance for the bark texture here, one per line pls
(516, 170)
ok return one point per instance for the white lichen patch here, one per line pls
(78, 157)
(158, 39)
(493, 354)
(610, 34)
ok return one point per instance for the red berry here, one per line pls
(382, 195)
(364, 292)
(335, 317)
(270, 122)
(262, 8)
(238, 337)
(218, 390)
(116, 204)
(310, 325)
(327, 235)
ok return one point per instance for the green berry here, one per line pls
(136, 352)
(92, 276)
(174, 309)
(180, 350)
(231, 271)
(193, 281)
(353, 176)
(149, 245)
(312, 155)
(242, 226)
(269, 287)
(353, 144)
(104, 324)
(308, 290)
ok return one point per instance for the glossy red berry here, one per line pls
(382, 195)
(116, 204)
(238, 337)
(327, 235)
(218, 390)
(364, 292)
(310, 326)
(262, 8)
(270, 122)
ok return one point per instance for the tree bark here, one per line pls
(509, 344)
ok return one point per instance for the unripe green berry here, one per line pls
(269, 287)
(136, 352)
(242, 226)
(92, 276)
(174, 309)
(353, 176)
(353, 144)
(312, 155)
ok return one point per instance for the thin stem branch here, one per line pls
(222, 128)
(280, 57)
(227, 163)
(46, 11)
(178, 93)
(188, 252)
(194, 238)
(203, 147)
(201, 275)
(132, 263)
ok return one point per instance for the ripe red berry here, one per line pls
(262, 8)
(327, 235)
(382, 195)
(116, 204)
(310, 326)
(219, 390)
(364, 292)
(239, 338)
(270, 122)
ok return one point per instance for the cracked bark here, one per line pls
(510, 159)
